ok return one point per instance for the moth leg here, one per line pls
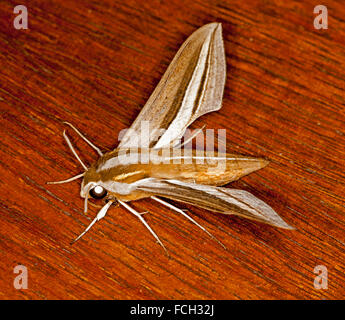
(94, 205)
(169, 205)
(72, 149)
(67, 180)
(101, 214)
(84, 138)
(138, 215)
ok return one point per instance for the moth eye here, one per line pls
(98, 192)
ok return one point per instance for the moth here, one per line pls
(192, 86)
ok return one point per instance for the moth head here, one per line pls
(92, 186)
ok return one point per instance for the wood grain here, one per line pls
(94, 64)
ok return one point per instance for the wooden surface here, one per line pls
(94, 64)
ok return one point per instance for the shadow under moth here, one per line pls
(192, 86)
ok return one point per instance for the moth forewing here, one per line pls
(218, 199)
(192, 85)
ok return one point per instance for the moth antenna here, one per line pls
(101, 214)
(73, 151)
(169, 205)
(67, 180)
(190, 138)
(138, 215)
(84, 138)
